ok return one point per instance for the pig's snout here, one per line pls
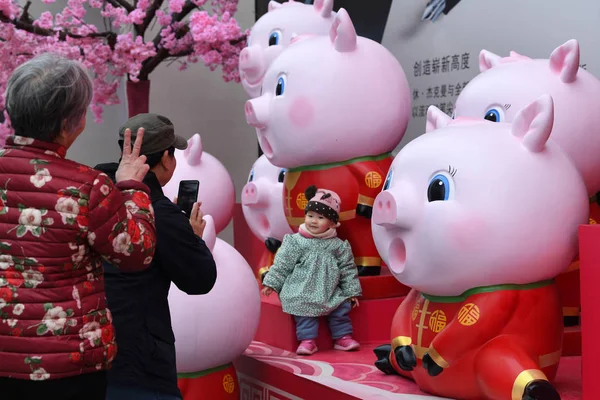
(252, 63)
(252, 195)
(385, 211)
(257, 111)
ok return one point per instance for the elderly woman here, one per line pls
(58, 220)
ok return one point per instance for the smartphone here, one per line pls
(187, 195)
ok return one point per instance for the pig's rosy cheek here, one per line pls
(301, 112)
(467, 232)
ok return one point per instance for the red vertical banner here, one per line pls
(138, 97)
(589, 255)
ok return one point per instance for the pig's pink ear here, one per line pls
(273, 5)
(342, 32)
(564, 61)
(533, 124)
(514, 54)
(488, 60)
(210, 233)
(324, 7)
(193, 153)
(436, 119)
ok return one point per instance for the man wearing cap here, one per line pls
(144, 367)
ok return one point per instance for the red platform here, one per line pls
(274, 371)
(266, 372)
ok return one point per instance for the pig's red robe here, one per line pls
(218, 383)
(491, 342)
(357, 182)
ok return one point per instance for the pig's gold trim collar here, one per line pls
(319, 167)
(485, 289)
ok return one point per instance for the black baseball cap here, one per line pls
(159, 133)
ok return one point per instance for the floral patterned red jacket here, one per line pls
(58, 219)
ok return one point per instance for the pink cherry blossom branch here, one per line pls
(150, 14)
(24, 22)
(122, 3)
(216, 39)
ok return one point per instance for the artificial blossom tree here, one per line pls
(136, 37)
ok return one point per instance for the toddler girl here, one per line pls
(315, 275)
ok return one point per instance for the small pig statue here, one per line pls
(508, 84)
(461, 222)
(332, 109)
(263, 209)
(212, 330)
(216, 191)
(274, 31)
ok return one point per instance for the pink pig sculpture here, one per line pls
(216, 190)
(508, 84)
(274, 31)
(461, 222)
(263, 209)
(332, 109)
(212, 330)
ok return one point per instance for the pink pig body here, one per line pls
(463, 221)
(274, 31)
(331, 111)
(263, 208)
(508, 84)
(216, 190)
(329, 99)
(212, 330)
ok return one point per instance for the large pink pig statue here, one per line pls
(507, 84)
(332, 109)
(461, 222)
(212, 330)
(216, 191)
(274, 31)
(263, 210)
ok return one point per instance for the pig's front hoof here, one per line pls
(406, 358)
(571, 320)
(382, 351)
(383, 359)
(540, 390)
(433, 369)
(384, 366)
(364, 211)
(364, 270)
(273, 244)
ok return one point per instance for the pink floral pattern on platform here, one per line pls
(359, 372)
(355, 374)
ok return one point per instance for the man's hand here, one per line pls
(354, 302)
(198, 224)
(132, 165)
(267, 291)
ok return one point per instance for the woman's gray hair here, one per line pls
(46, 95)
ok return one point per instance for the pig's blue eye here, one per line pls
(281, 176)
(280, 89)
(493, 114)
(251, 177)
(439, 188)
(274, 38)
(388, 180)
